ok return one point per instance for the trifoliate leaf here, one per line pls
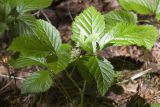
(38, 82)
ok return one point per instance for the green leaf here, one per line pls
(48, 34)
(13, 3)
(5, 10)
(29, 46)
(102, 71)
(158, 10)
(158, 16)
(155, 105)
(83, 69)
(87, 27)
(24, 61)
(29, 5)
(26, 24)
(140, 6)
(3, 27)
(61, 60)
(127, 34)
(47, 40)
(114, 17)
(38, 82)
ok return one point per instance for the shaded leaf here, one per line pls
(24, 61)
(29, 5)
(38, 82)
(13, 3)
(5, 10)
(61, 59)
(83, 69)
(155, 105)
(29, 46)
(26, 24)
(102, 71)
(3, 27)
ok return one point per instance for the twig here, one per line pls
(70, 15)
(36, 13)
(44, 14)
(12, 77)
(136, 76)
(140, 74)
(6, 86)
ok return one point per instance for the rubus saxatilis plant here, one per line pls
(92, 32)
(15, 17)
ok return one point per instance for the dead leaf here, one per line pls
(3, 70)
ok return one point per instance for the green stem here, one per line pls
(73, 81)
(65, 91)
(62, 88)
(82, 93)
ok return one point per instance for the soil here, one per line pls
(127, 60)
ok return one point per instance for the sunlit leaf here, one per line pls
(114, 17)
(127, 34)
(87, 27)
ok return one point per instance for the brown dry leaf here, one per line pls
(3, 70)
(130, 87)
(112, 4)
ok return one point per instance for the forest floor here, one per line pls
(130, 62)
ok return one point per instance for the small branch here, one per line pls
(140, 74)
(44, 14)
(12, 77)
(137, 76)
(70, 15)
(36, 13)
(73, 81)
